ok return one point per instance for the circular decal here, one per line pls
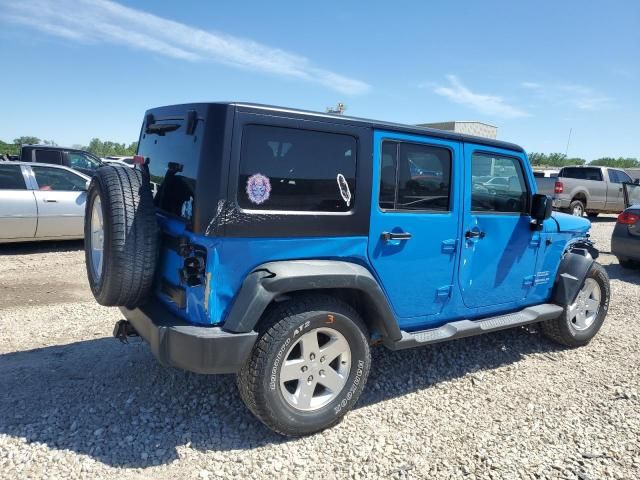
(258, 188)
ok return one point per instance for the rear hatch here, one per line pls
(184, 162)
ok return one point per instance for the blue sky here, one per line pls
(77, 69)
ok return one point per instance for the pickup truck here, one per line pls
(585, 189)
(79, 160)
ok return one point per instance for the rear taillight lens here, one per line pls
(558, 188)
(628, 218)
(138, 159)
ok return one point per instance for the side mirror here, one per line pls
(636, 181)
(541, 208)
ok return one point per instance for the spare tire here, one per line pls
(121, 236)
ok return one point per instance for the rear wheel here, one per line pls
(576, 208)
(309, 366)
(581, 320)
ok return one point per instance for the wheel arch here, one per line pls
(273, 282)
(572, 272)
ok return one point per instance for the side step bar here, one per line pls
(469, 328)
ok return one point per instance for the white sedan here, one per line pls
(41, 202)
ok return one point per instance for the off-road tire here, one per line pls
(259, 379)
(562, 331)
(574, 204)
(593, 214)
(131, 232)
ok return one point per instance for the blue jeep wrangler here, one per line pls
(280, 244)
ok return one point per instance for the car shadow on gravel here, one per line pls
(116, 404)
(616, 272)
(27, 248)
(398, 373)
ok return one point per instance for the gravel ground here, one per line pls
(75, 403)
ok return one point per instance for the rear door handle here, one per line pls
(474, 234)
(388, 236)
(50, 200)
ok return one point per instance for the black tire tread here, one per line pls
(554, 329)
(274, 325)
(130, 267)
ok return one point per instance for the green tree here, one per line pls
(617, 162)
(26, 140)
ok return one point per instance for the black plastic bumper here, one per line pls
(199, 349)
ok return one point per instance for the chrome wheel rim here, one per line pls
(577, 211)
(97, 239)
(315, 369)
(583, 312)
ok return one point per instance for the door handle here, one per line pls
(50, 200)
(388, 236)
(474, 234)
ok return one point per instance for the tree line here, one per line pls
(96, 146)
(108, 148)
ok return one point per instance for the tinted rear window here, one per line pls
(11, 178)
(173, 164)
(296, 170)
(582, 173)
(49, 156)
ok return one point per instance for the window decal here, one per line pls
(258, 188)
(345, 193)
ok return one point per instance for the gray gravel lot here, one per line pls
(75, 403)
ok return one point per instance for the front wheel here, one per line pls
(309, 366)
(581, 320)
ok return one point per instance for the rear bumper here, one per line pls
(199, 349)
(624, 245)
(559, 203)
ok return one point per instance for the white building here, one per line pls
(479, 129)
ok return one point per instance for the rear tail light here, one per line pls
(628, 218)
(138, 159)
(558, 188)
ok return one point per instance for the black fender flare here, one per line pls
(270, 280)
(572, 272)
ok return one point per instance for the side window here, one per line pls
(593, 174)
(618, 176)
(414, 177)
(58, 179)
(11, 178)
(296, 170)
(498, 184)
(49, 156)
(81, 160)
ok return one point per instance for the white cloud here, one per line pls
(575, 95)
(486, 104)
(94, 21)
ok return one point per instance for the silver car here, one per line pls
(41, 202)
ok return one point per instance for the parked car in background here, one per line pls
(625, 241)
(41, 202)
(79, 160)
(128, 161)
(591, 190)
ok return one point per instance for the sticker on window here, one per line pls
(345, 193)
(258, 188)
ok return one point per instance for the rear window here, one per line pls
(296, 170)
(582, 173)
(11, 178)
(173, 163)
(49, 156)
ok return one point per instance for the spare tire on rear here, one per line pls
(121, 236)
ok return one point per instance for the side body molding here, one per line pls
(572, 272)
(269, 280)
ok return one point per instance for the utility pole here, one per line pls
(566, 152)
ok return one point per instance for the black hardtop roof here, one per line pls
(355, 121)
(54, 147)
